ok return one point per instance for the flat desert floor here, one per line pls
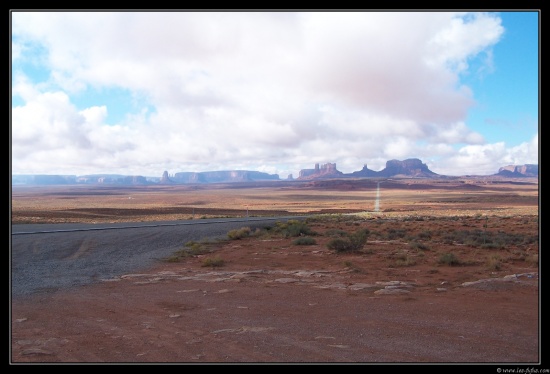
(449, 273)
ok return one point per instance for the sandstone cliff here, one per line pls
(320, 172)
(518, 171)
(412, 167)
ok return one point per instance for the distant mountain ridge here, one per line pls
(225, 176)
(409, 168)
(527, 170)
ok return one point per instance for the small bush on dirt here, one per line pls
(258, 232)
(293, 228)
(194, 247)
(533, 259)
(305, 240)
(191, 248)
(494, 263)
(359, 238)
(353, 268)
(419, 246)
(173, 258)
(449, 259)
(405, 260)
(213, 262)
(339, 245)
(352, 242)
(243, 232)
(426, 235)
(393, 234)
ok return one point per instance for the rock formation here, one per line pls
(165, 179)
(364, 173)
(527, 170)
(323, 172)
(227, 176)
(411, 167)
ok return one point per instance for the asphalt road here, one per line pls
(50, 257)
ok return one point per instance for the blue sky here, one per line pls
(139, 93)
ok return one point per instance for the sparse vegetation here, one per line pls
(190, 249)
(213, 262)
(293, 228)
(449, 259)
(487, 239)
(433, 232)
(351, 266)
(236, 234)
(393, 234)
(404, 260)
(494, 263)
(533, 259)
(305, 240)
(425, 235)
(351, 242)
(419, 246)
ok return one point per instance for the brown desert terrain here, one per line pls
(448, 274)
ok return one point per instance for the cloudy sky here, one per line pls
(138, 93)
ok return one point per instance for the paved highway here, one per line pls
(49, 257)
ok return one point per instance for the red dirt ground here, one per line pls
(273, 301)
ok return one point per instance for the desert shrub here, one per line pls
(449, 259)
(173, 258)
(352, 242)
(194, 246)
(260, 232)
(243, 232)
(304, 240)
(490, 246)
(405, 260)
(352, 267)
(533, 259)
(213, 262)
(419, 246)
(426, 235)
(339, 245)
(359, 238)
(191, 248)
(293, 228)
(413, 218)
(488, 239)
(494, 263)
(393, 234)
(377, 234)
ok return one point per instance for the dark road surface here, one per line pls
(48, 257)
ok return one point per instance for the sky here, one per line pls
(140, 93)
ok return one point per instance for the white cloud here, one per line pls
(276, 91)
(488, 158)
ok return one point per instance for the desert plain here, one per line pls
(448, 273)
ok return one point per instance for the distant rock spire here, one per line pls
(165, 178)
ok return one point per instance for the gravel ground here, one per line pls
(48, 261)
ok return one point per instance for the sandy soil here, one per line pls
(417, 292)
(272, 301)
